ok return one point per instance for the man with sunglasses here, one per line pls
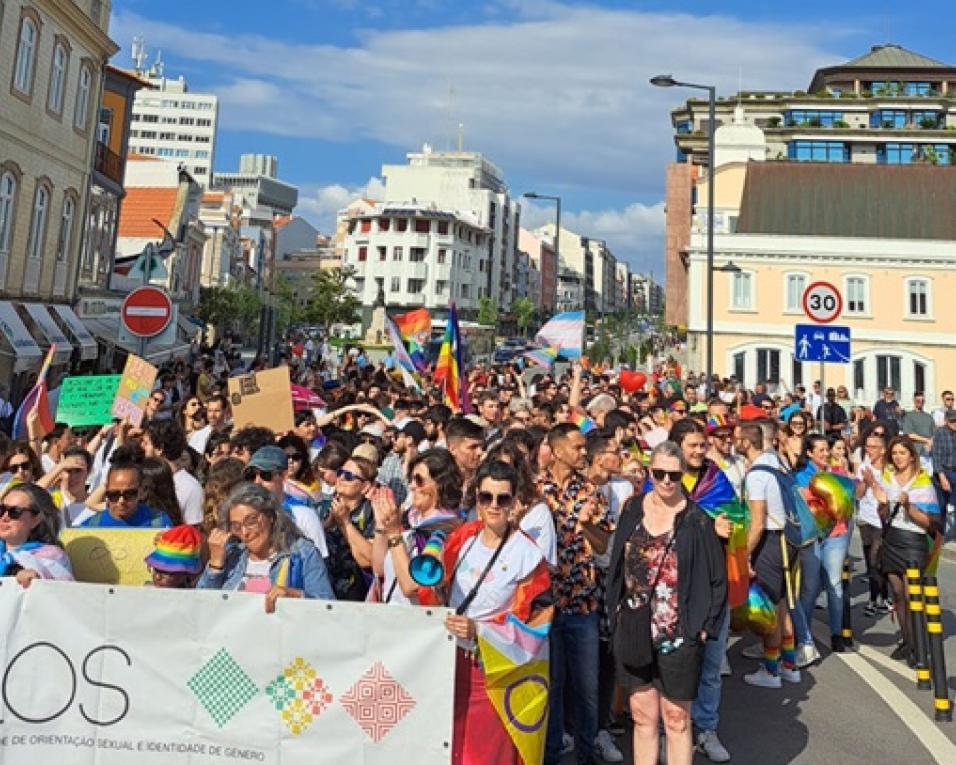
(123, 506)
(268, 467)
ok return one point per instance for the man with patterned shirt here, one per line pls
(582, 528)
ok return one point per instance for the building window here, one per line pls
(54, 101)
(401, 224)
(464, 290)
(416, 254)
(443, 227)
(795, 285)
(382, 253)
(8, 193)
(440, 287)
(366, 226)
(917, 297)
(83, 97)
(167, 136)
(856, 299)
(818, 151)
(895, 153)
(740, 363)
(397, 253)
(814, 118)
(26, 56)
(768, 365)
(888, 372)
(396, 285)
(422, 225)
(105, 126)
(415, 286)
(384, 224)
(41, 204)
(858, 378)
(363, 254)
(796, 373)
(66, 230)
(441, 257)
(919, 377)
(742, 287)
(890, 119)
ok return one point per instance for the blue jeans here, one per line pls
(574, 658)
(826, 573)
(804, 600)
(945, 498)
(706, 708)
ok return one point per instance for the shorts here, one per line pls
(768, 565)
(676, 674)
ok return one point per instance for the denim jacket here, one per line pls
(315, 578)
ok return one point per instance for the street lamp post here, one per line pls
(557, 226)
(668, 81)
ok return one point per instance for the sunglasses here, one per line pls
(116, 495)
(672, 475)
(14, 512)
(348, 475)
(503, 501)
(252, 473)
(369, 440)
(294, 457)
(419, 480)
(680, 411)
(16, 467)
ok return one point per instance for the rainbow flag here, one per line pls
(449, 368)
(416, 330)
(37, 398)
(585, 424)
(542, 357)
(405, 363)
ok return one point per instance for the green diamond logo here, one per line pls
(222, 687)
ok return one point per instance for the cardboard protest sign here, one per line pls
(137, 382)
(262, 398)
(87, 400)
(110, 556)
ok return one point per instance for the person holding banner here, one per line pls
(257, 548)
(29, 525)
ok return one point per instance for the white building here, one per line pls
(172, 122)
(467, 182)
(418, 255)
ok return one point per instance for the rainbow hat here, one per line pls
(177, 551)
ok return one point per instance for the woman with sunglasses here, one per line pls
(791, 446)
(436, 492)
(666, 558)
(300, 481)
(257, 548)
(494, 576)
(191, 415)
(350, 528)
(29, 525)
(20, 466)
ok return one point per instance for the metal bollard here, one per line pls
(934, 628)
(914, 588)
(847, 633)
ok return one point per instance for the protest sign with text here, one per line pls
(87, 400)
(137, 382)
(262, 398)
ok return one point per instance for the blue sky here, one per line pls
(555, 93)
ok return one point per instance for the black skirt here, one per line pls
(900, 549)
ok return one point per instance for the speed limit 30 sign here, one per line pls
(822, 302)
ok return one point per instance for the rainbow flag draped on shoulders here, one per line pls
(450, 368)
(38, 398)
(416, 330)
(715, 495)
(922, 495)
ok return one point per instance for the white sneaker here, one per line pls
(606, 748)
(725, 671)
(754, 651)
(790, 675)
(806, 655)
(709, 744)
(567, 743)
(763, 679)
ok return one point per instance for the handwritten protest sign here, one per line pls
(134, 388)
(87, 400)
(109, 556)
(262, 398)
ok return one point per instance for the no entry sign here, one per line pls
(146, 311)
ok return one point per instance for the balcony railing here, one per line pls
(109, 163)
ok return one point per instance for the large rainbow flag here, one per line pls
(715, 495)
(416, 330)
(37, 398)
(450, 369)
(404, 361)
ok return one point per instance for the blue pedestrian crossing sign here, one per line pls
(819, 342)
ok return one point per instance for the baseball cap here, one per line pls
(270, 458)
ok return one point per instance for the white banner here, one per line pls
(93, 674)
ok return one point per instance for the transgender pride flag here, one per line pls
(566, 330)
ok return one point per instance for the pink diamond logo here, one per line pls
(377, 702)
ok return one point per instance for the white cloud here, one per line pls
(319, 203)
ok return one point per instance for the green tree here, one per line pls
(524, 311)
(487, 311)
(216, 306)
(247, 306)
(331, 301)
(287, 312)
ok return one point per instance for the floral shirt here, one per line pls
(575, 576)
(643, 556)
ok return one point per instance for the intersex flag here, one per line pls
(566, 330)
(38, 398)
(405, 364)
(450, 369)
(416, 330)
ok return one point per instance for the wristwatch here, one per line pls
(395, 541)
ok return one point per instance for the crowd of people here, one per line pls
(617, 516)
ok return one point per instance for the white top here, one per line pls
(199, 438)
(189, 495)
(761, 485)
(308, 523)
(901, 519)
(616, 492)
(538, 524)
(868, 506)
(48, 463)
(389, 583)
(74, 514)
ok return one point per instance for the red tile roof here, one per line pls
(141, 205)
(282, 221)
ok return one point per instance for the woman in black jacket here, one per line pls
(666, 594)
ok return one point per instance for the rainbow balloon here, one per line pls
(756, 614)
(832, 499)
(427, 568)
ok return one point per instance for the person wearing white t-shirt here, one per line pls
(165, 440)
(868, 519)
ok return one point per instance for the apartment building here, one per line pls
(541, 252)
(889, 106)
(222, 254)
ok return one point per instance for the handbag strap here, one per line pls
(473, 593)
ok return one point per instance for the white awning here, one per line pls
(107, 329)
(21, 343)
(82, 336)
(50, 331)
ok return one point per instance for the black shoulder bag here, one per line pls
(473, 593)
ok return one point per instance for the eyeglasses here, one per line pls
(115, 495)
(672, 475)
(252, 473)
(503, 501)
(249, 523)
(14, 512)
(369, 440)
(18, 467)
(348, 475)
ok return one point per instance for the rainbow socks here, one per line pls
(771, 659)
(788, 652)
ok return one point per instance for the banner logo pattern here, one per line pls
(222, 687)
(299, 695)
(377, 702)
